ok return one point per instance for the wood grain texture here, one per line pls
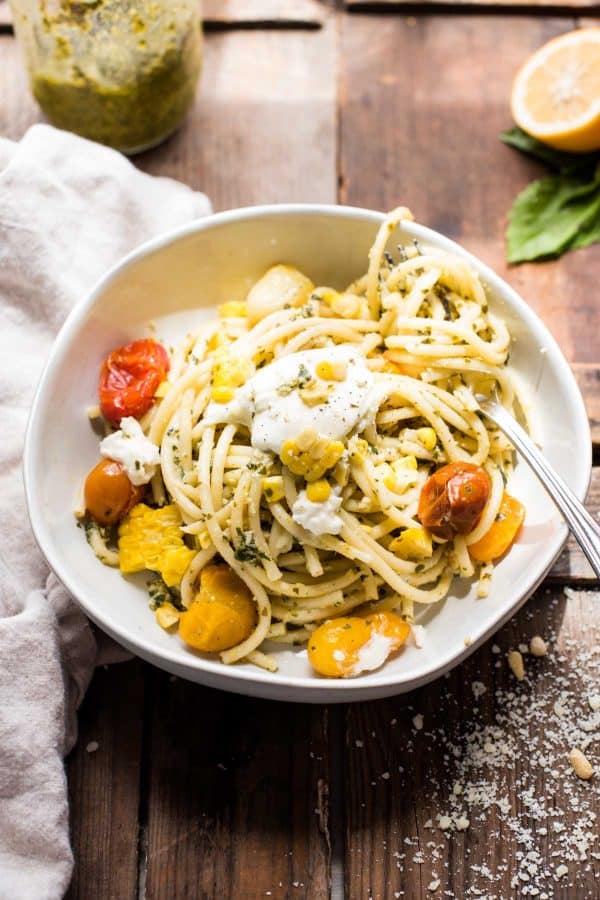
(403, 777)
(104, 785)
(572, 566)
(533, 5)
(233, 13)
(236, 794)
(419, 126)
(309, 13)
(263, 127)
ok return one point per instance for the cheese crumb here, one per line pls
(92, 746)
(418, 722)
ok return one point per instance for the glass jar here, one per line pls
(122, 72)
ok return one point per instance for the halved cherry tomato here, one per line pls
(108, 492)
(130, 377)
(453, 498)
(496, 541)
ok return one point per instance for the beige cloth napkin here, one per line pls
(69, 209)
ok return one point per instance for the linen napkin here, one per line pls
(69, 209)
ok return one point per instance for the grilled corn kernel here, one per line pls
(222, 394)
(230, 370)
(306, 438)
(405, 462)
(312, 462)
(218, 341)
(318, 491)
(428, 437)
(152, 539)
(233, 309)
(162, 390)
(174, 564)
(167, 615)
(347, 306)
(331, 371)
(359, 450)
(272, 487)
(413, 543)
(314, 393)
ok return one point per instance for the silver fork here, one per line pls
(584, 528)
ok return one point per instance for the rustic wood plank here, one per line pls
(400, 6)
(492, 751)
(237, 789)
(263, 127)
(419, 125)
(104, 785)
(307, 13)
(572, 566)
(234, 13)
(588, 379)
(236, 795)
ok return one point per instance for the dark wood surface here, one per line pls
(194, 793)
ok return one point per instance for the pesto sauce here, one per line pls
(119, 72)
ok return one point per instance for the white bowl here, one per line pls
(177, 280)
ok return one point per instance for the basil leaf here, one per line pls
(553, 215)
(567, 163)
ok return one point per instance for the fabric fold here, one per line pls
(69, 209)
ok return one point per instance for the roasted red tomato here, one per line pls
(453, 498)
(108, 492)
(130, 377)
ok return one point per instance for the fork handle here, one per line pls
(584, 528)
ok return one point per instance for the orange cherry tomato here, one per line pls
(496, 541)
(130, 377)
(334, 648)
(108, 492)
(453, 498)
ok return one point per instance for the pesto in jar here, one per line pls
(119, 72)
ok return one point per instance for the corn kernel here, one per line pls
(318, 491)
(359, 450)
(306, 438)
(314, 393)
(405, 462)
(413, 543)
(152, 539)
(162, 390)
(222, 394)
(428, 437)
(319, 455)
(329, 371)
(167, 615)
(218, 341)
(272, 487)
(230, 370)
(233, 309)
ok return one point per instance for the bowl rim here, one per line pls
(233, 678)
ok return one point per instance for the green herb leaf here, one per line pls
(561, 161)
(558, 213)
(553, 215)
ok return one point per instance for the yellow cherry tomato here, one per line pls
(334, 648)
(223, 613)
(390, 625)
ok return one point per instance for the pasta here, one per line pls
(298, 435)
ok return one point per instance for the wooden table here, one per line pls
(194, 793)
